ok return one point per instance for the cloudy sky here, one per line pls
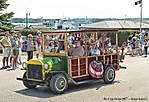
(77, 8)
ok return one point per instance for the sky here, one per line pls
(77, 8)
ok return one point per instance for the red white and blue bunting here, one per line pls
(96, 69)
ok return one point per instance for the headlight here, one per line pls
(46, 66)
(24, 65)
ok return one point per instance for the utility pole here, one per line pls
(27, 20)
(141, 9)
(141, 19)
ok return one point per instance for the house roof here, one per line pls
(116, 24)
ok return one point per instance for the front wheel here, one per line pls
(109, 75)
(58, 83)
(28, 84)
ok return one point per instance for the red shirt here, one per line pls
(123, 46)
(38, 40)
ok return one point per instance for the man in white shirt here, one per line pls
(6, 43)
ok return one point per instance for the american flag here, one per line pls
(138, 2)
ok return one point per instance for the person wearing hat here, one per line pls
(30, 46)
(6, 44)
(15, 50)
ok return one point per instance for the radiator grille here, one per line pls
(35, 71)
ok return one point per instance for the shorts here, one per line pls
(15, 52)
(6, 52)
(20, 51)
(38, 50)
(11, 52)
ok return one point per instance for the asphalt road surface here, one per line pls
(130, 85)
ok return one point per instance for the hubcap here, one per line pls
(60, 84)
(110, 75)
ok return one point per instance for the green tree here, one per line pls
(5, 17)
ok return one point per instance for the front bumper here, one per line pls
(28, 80)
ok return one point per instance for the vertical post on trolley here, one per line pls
(103, 49)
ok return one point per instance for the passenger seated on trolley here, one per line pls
(112, 49)
(51, 47)
(94, 51)
(60, 48)
(70, 39)
(70, 49)
(48, 49)
(78, 50)
(48, 46)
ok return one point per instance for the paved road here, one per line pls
(131, 85)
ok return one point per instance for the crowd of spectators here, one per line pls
(138, 44)
(13, 45)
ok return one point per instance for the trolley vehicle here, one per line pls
(80, 56)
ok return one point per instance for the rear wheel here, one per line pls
(109, 75)
(28, 84)
(58, 83)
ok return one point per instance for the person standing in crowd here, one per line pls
(123, 45)
(146, 40)
(142, 38)
(141, 42)
(15, 49)
(38, 42)
(146, 36)
(138, 47)
(133, 46)
(146, 45)
(6, 44)
(30, 46)
(20, 47)
(11, 52)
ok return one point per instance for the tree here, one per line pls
(5, 17)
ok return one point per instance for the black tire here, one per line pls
(109, 75)
(28, 84)
(58, 83)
